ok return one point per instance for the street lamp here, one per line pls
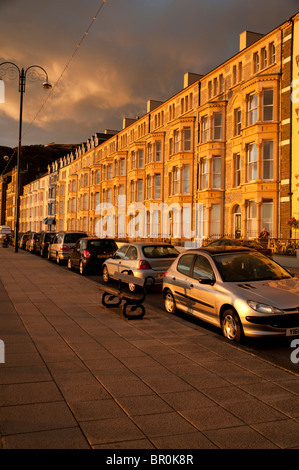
(22, 81)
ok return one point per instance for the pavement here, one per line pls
(79, 376)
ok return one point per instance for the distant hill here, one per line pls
(35, 158)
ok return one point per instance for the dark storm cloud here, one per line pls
(135, 50)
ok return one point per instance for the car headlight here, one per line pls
(263, 308)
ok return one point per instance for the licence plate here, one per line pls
(292, 331)
(102, 256)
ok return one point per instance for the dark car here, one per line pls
(241, 242)
(31, 242)
(42, 243)
(90, 253)
(23, 239)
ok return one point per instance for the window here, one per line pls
(202, 268)
(98, 177)
(221, 83)
(268, 105)
(149, 153)
(237, 121)
(185, 263)
(139, 190)
(240, 71)
(157, 187)
(271, 53)
(133, 160)
(209, 90)
(264, 57)
(251, 213)
(176, 141)
(251, 109)
(205, 129)
(110, 171)
(186, 179)
(237, 169)
(215, 220)
(122, 167)
(176, 180)
(148, 187)
(267, 159)
(217, 126)
(158, 148)
(215, 86)
(131, 253)
(256, 62)
(132, 190)
(251, 162)
(140, 158)
(85, 202)
(86, 180)
(121, 195)
(216, 176)
(204, 173)
(187, 139)
(267, 215)
(234, 74)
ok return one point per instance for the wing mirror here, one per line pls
(206, 280)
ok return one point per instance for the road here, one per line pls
(276, 351)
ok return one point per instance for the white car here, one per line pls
(239, 290)
(148, 261)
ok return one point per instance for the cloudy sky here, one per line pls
(135, 50)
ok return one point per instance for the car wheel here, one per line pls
(81, 268)
(169, 302)
(69, 264)
(49, 256)
(231, 325)
(106, 277)
(57, 259)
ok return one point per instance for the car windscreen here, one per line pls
(102, 244)
(160, 251)
(253, 266)
(72, 237)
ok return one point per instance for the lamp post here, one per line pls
(22, 81)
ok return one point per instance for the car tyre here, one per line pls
(106, 277)
(57, 259)
(231, 326)
(169, 302)
(69, 264)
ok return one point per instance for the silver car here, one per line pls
(62, 243)
(239, 290)
(148, 261)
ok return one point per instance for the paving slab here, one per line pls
(79, 376)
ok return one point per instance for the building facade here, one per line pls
(218, 158)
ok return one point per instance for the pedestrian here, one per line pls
(264, 235)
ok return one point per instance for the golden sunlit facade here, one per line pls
(218, 158)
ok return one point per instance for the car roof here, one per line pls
(216, 250)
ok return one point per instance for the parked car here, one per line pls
(5, 230)
(145, 260)
(23, 239)
(31, 242)
(62, 243)
(42, 243)
(89, 253)
(242, 242)
(239, 290)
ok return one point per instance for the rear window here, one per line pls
(160, 251)
(103, 244)
(73, 237)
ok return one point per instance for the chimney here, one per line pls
(247, 38)
(127, 122)
(152, 104)
(190, 78)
